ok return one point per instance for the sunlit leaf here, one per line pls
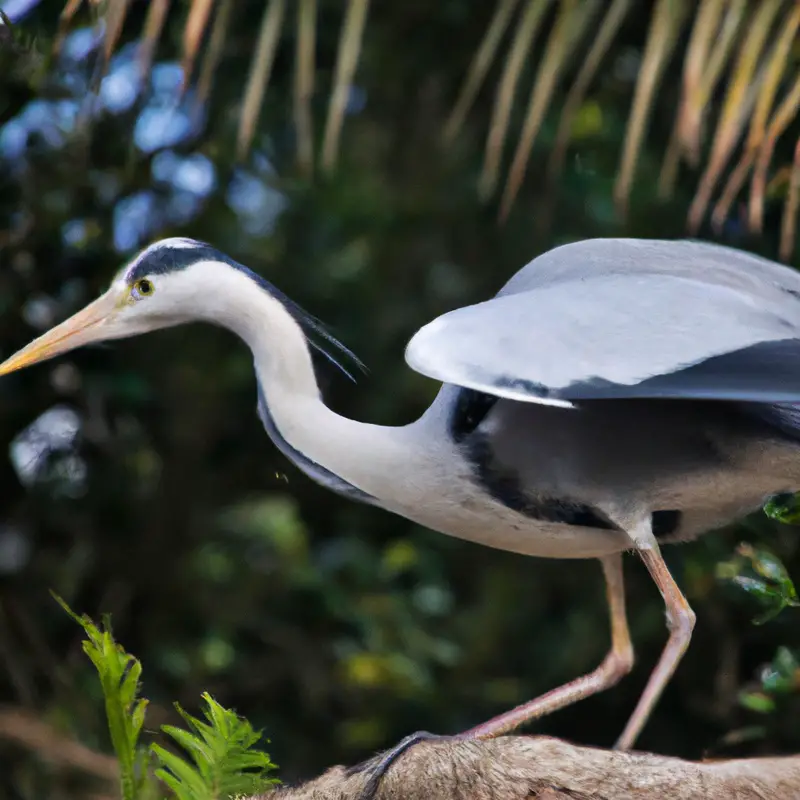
(195, 27)
(153, 28)
(784, 508)
(569, 26)
(740, 98)
(114, 23)
(524, 35)
(664, 29)
(119, 674)
(685, 137)
(67, 13)
(782, 675)
(784, 115)
(304, 83)
(695, 103)
(789, 218)
(350, 41)
(213, 53)
(260, 71)
(761, 575)
(757, 701)
(612, 21)
(476, 73)
(760, 36)
(223, 760)
(775, 71)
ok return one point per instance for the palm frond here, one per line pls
(153, 27)
(612, 21)
(704, 65)
(64, 21)
(195, 28)
(776, 69)
(664, 29)
(346, 62)
(569, 26)
(744, 82)
(784, 114)
(789, 219)
(481, 63)
(260, 71)
(114, 22)
(304, 83)
(745, 52)
(504, 97)
(213, 54)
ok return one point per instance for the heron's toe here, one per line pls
(378, 766)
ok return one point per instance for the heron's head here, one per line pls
(171, 282)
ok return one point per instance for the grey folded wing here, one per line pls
(704, 328)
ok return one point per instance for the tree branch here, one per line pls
(51, 745)
(522, 768)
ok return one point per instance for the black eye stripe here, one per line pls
(162, 260)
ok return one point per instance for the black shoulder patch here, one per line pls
(470, 408)
(665, 523)
(781, 418)
(505, 487)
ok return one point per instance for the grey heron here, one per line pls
(615, 394)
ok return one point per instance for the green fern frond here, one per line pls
(119, 674)
(222, 759)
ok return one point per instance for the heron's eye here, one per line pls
(142, 288)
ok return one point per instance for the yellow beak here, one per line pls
(82, 328)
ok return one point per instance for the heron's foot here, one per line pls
(378, 766)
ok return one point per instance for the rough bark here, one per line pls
(517, 767)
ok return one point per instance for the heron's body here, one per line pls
(524, 479)
(521, 481)
(545, 480)
(615, 394)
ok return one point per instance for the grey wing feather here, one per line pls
(625, 319)
(711, 263)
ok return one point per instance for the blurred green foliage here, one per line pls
(760, 574)
(139, 482)
(784, 508)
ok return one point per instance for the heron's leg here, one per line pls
(680, 621)
(617, 663)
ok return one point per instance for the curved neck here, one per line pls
(354, 458)
(280, 350)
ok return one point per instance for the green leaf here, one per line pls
(780, 677)
(119, 674)
(190, 784)
(201, 752)
(784, 508)
(783, 674)
(757, 701)
(760, 574)
(222, 760)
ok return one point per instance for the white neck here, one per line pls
(368, 457)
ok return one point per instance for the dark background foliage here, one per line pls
(139, 482)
